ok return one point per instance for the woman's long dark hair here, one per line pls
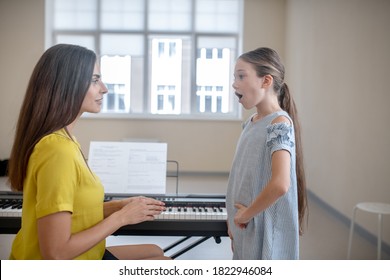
(53, 100)
(266, 61)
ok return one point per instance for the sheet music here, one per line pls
(129, 167)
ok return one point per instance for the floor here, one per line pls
(325, 239)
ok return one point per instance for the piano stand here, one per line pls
(176, 243)
(190, 246)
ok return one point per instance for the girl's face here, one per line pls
(247, 85)
(93, 100)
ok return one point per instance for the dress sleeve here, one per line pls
(280, 136)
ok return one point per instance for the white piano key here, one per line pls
(10, 212)
(192, 213)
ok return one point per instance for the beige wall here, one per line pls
(22, 41)
(336, 55)
(338, 65)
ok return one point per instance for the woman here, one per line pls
(63, 214)
(266, 197)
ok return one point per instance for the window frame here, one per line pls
(50, 37)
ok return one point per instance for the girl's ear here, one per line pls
(268, 80)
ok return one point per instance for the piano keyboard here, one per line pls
(177, 208)
(11, 205)
(192, 208)
(192, 213)
(185, 215)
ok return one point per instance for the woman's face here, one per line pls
(93, 100)
(247, 85)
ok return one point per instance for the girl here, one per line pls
(266, 196)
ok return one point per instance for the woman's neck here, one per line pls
(71, 126)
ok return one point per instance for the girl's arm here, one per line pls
(276, 187)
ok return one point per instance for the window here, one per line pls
(157, 57)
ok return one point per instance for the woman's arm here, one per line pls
(57, 242)
(112, 206)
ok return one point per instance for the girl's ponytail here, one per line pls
(287, 103)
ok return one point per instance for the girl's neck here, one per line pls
(268, 105)
(263, 111)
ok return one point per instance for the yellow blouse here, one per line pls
(58, 179)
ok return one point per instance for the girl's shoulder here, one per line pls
(281, 117)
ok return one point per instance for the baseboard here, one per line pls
(347, 221)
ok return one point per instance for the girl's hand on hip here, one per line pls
(240, 220)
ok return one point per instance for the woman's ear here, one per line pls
(268, 80)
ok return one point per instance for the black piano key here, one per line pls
(6, 205)
(17, 205)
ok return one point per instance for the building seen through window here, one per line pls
(157, 57)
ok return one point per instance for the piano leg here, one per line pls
(189, 247)
(217, 239)
(176, 243)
